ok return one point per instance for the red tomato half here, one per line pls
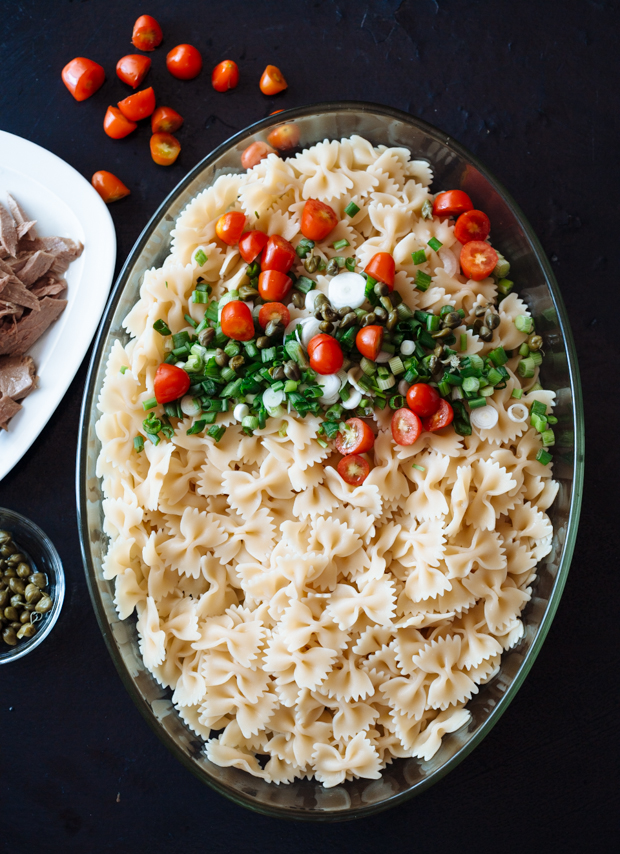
(116, 125)
(452, 203)
(325, 354)
(382, 268)
(133, 68)
(184, 62)
(356, 438)
(147, 34)
(82, 77)
(406, 427)
(138, 106)
(109, 187)
(229, 227)
(165, 120)
(272, 81)
(254, 153)
(473, 225)
(478, 260)
(441, 418)
(353, 469)
(251, 244)
(170, 383)
(369, 340)
(423, 399)
(317, 220)
(274, 311)
(165, 148)
(236, 321)
(225, 76)
(284, 137)
(273, 285)
(278, 254)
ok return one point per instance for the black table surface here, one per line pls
(531, 89)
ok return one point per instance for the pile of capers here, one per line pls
(23, 596)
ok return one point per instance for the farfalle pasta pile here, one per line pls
(308, 628)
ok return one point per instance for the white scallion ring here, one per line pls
(484, 418)
(353, 401)
(518, 412)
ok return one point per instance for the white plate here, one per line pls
(65, 204)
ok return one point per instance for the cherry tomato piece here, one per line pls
(165, 120)
(441, 418)
(356, 438)
(254, 153)
(325, 354)
(229, 227)
(116, 125)
(272, 81)
(452, 203)
(274, 311)
(369, 340)
(406, 427)
(184, 62)
(478, 260)
(423, 399)
(138, 106)
(147, 34)
(472, 225)
(236, 321)
(170, 383)
(82, 77)
(109, 187)
(317, 220)
(284, 137)
(251, 244)
(382, 268)
(353, 469)
(225, 76)
(132, 69)
(165, 148)
(274, 285)
(278, 254)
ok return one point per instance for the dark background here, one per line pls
(531, 88)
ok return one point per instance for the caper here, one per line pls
(10, 572)
(236, 362)
(15, 559)
(30, 606)
(342, 312)
(492, 320)
(438, 351)
(298, 299)
(17, 585)
(381, 314)
(392, 320)
(326, 326)
(6, 550)
(247, 292)
(480, 310)
(11, 613)
(206, 336)
(17, 601)
(535, 342)
(332, 268)
(26, 631)
(485, 333)
(5, 537)
(221, 358)
(4, 597)
(9, 636)
(396, 298)
(44, 604)
(348, 320)
(23, 570)
(442, 333)
(311, 263)
(369, 319)
(291, 370)
(452, 320)
(319, 299)
(381, 290)
(24, 617)
(328, 313)
(274, 329)
(277, 373)
(386, 302)
(40, 579)
(263, 342)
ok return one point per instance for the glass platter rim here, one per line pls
(576, 488)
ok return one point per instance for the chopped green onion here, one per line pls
(368, 367)
(216, 433)
(388, 347)
(396, 365)
(548, 438)
(487, 391)
(432, 323)
(322, 442)
(369, 291)
(200, 258)
(396, 402)
(154, 438)
(536, 357)
(435, 244)
(463, 341)
(251, 349)
(502, 268)
(385, 383)
(495, 377)
(331, 429)
(444, 388)
(403, 311)
(304, 284)
(477, 402)
(233, 348)
(282, 432)
(150, 403)
(190, 320)
(422, 280)
(340, 244)
(544, 457)
(345, 392)
(290, 385)
(552, 419)
(538, 408)
(427, 210)
(462, 424)
(526, 368)
(197, 427)
(351, 209)
(418, 467)
(539, 422)
(194, 364)
(232, 389)
(123, 368)
(250, 422)
(418, 257)
(504, 286)
(498, 356)
(453, 379)
(524, 350)
(162, 327)
(524, 323)
(350, 264)
(228, 375)
(517, 393)
(209, 417)
(304, 246)
(339, 259)
(268, 354)
(138, 443)
(200, 297)
(471, 384)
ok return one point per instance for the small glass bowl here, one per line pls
(43, 557)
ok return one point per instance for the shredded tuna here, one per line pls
(8, 408)
(18, 376)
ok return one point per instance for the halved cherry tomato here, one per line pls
(184, 62)
(251, 244)
(406, 427)
(441, 418)
(272, 81)
(452, 203)
(170, 383)
(369, 340)
(478, 260)
(236, 321)
(325, 354)
(254, 153)
(423, 399)
(133, 68)
(274, 311)
(147, 34)
(317, 220)
(109, 187)
(472, 225)
(353, 469)
(356, 438)
(229, 227)
(165, 148)
(284, 137)
(82, 77)
(165, 120)
(274, 285)
(225, 76)
(381, 267)
(278, 254)
(138, 106)
(116, 125)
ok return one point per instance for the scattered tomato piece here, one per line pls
(184, 62)
(133, 68)
(170, 383)
(251, 244)
(274, 285)
(382, 268)
(406, 427)
(452, 203)
(439, 419)
(138, 106)
(165, 120)
(254, 153)
(165, 148)
(423, 399)
(236, 321)
(472, 225)
(325, 354)
(356, 438)
(116, 125)
(284, 137)
(225, 76)
(369, 340)
(229, 227)
(317, 220)
(278, 254)
(478, 260)
(109, 187)
(276, 111)
(272, 81)
(82, 77)
(353, 469)
(147, 34)
(274, 311)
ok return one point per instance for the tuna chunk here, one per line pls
(18, 376)
(18, 294)
(8, 234)
(8, 408)
(35, 267)
(18, 338)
